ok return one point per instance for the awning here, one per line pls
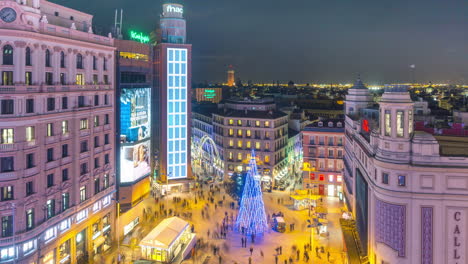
(165, 234)
(99, 241)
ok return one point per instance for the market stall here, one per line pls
(171, 238)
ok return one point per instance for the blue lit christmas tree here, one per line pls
(252, 217)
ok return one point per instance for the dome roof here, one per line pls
(358, 84)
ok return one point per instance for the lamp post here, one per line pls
(311, 238)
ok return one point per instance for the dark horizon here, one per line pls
(306, 42)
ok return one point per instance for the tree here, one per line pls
(252, 217)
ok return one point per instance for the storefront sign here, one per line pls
(174, 9)
(140, 37)
(457, 231)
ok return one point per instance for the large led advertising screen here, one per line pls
(135, 146)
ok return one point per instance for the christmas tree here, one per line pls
(252, 217)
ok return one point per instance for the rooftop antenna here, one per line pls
(118, 24)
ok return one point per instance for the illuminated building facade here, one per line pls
(213, 95)
(57, 128)
(243, 125)
(408, 190)
(230, 77)
(133, 122)
(172, 60)
(323, 146)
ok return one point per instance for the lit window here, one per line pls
(231, 132)
(49, 234)
(230, 155)
(330, 178)
(267, 159)
(80, 216)
(7, 136)
(231, 121)
(64, 225)
(106, 201)
(28, 246)
(249, 133)
(82, 193)
(80, 79)
(84, 123)
(321, 177)
(239, 144)
(410, 122)
(64, 127)
(267, 123)
(231, 143)
(248, 144)
(239, 122)
(239, 156)
(257, 123)
(400, 123)
(257, 145)
(50, 129)
(339, 178)
(388, 126)
(401, 180)
(239, 132)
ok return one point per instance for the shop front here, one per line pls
(64, 252)
(49, 257)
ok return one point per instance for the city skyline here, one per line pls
(325, 42)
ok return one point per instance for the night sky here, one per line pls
(312, 40)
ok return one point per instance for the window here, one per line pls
(50, 104)
(257, 145)
(96, 186)
(248, 144)
(321, 140)
(340, 153)
(106, 99)
(50, 208)
(257, 123)
(50, 154)
(49, 78)
(7, 78)
(385, 178)
(106, 159)
(29, 160)
(388, 126)
(267, 124)
(95, 79)
(62, 59)
(239, 144)
(50, 129)
(28, 78)
(30, 134)
(410, 122)
(79, 61)
(84, 123)
(7, 164)
(47, 58)
(96, 163)
(64, 102)
(65, 201)
(50, 180)
(81, 101)
(248, 133)
(7, 55)
(7, 136)
(29, 106)
(80, 79)
(401, 180)
(106, 139)
(7, 106)
(64, 127)
(83, 146)
(330, 141)
(28, 246)
(231, 143)
(28, 56)
(63, 79)
(30, 219)
(65, 175)
(239, 133)
(340, 141)
(82, 193)
(64, 150)
(330, 178)
(106, 181)
(29, 188)
(96, 141)
(267, 159)
(96, 121)
(83, 168)
(231, 132)
(106, 79)
(339, 178)
(239, 156)
(231, 121)
(106, 119)
(104, 64)
(331, 153)
(7, 226)
(94, 63)
(7, 193)
(400, 123)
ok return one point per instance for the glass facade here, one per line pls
(177, 113)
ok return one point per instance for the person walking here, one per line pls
(328, 256)
(251, 250)
(220, 259)
(281, 250)
(276, 259)
(250, 260)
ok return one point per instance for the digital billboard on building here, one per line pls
(135, 130)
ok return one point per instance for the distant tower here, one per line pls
(173, 83)
(230, 79)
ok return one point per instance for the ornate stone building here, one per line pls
(57, 135)
(408, 190)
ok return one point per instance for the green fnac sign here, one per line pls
(210, 93)
(138, 36)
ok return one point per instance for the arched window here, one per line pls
(8, 55)
(47, 58)
(79, 61)
(62, 59)
(28, 56)
(94, 63)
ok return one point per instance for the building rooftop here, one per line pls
(330, 125)
(453, 146)
(273, 114)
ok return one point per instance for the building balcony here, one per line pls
(30, 144)
(21, 88)
(9, 147)
(98, 150)
(65, 136)
(8, 176)
(97, 129)
(84, 132)
(107, 127)
(66, 160)
(84, 155)
(52, 139)
(107, 147)
(52, 164)
(31, 171)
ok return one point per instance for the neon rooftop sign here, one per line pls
(140, 37)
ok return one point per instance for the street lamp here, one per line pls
(311, 226)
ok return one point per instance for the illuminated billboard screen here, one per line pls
(135, 146)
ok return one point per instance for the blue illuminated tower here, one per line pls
(252, 217)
